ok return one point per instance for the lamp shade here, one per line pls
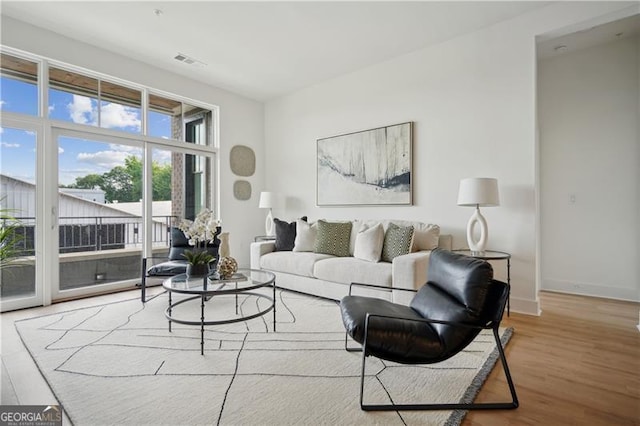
(267, 200)
(481, 192)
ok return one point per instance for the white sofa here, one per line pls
(329, 276)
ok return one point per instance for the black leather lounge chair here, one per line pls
(460, 299)
(175, 263)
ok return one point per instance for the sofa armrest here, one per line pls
(409, 271)
(258, 249)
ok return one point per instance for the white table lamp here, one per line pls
(267, 201)
(476, 192)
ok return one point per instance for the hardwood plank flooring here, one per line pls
(576, 364)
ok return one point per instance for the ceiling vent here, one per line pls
(188, 60)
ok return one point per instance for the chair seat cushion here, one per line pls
(400, 339)
(166, 269)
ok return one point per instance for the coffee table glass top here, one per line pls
(242, 280)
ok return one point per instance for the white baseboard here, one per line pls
(525, 306)
(590, 289)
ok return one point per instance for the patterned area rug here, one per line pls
(119, 364)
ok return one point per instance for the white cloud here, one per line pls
(104, 159)
(162, 156)
(60, 150)
(118, 116)
(68, 176)
(2, 103)
(1, 130)
(51, 108)
(126, 148)
(81, 110)
(9, 145)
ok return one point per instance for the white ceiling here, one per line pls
(589, 37)
(264, 49)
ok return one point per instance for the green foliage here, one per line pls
(161, 181)
(9, 238)
(89, 181)
(124, 183)
(198, 257)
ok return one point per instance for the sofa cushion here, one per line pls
(169, 268)
(291, 262)
(425, 237)
(397, 241)
(333, 238)
(305, 236)
(179, 243)
(285, 235)
(346, 270)
(369, 241)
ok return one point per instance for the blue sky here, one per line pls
(76, 157)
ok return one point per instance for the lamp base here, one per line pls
(479, 245)
(269, 226)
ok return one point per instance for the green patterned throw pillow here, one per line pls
(397, 242)
(333, 238)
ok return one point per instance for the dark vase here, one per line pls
(197, 270)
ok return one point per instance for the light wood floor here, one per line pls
(577, 364)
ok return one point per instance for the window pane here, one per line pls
(162, 207)
(18, 85)
(120, 107)
(165, 118)
(198, 123)
(99, 212)
(73, 97)
(18, 204)
(197, 191)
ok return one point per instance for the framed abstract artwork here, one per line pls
(370, 167)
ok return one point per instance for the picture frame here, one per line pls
(366, 168)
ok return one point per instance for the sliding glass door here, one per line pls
(99, 204)
(20, 217)
(94, 172)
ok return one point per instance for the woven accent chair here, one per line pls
(460, 299)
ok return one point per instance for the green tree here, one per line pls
(118, 185)
(89, 181)
(124, 183)
(133, 167)
(161, 181)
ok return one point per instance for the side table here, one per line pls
(493, 255)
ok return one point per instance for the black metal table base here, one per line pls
(202, 322)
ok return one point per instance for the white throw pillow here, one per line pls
(305, 236)
(369, 242)
(425, 237)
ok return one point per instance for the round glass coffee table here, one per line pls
(245, 282)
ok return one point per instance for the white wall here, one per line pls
(472, 101)
(241, 119)
(590, 170)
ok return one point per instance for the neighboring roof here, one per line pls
(159, 208)
(11, 203)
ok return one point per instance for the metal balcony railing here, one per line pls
(94, 233)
